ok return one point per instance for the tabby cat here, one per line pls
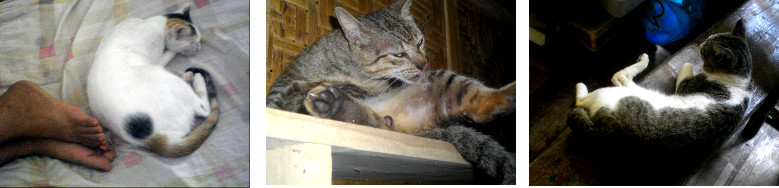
(371, 72)
(702, 113)
(133, 96)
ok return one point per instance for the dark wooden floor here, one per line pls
(560, 157)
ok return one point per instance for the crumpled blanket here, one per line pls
(52, 43)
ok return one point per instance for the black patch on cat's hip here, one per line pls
(139, 125)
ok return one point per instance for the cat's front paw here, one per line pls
(323, 101)
(190, 50)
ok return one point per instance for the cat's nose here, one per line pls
(421, 64)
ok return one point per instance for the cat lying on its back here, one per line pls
(703, 112)
(133, 96)
(371, 72)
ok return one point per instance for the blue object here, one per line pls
(666, 21)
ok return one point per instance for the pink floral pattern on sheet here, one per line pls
(223, 172)
(70, 53)
(201, 3)
(47, 51)
(132, 159)
(229, 89)
(42, 183)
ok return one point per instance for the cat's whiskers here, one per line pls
(389, 85)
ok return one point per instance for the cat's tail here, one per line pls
(162, 145)
(489, 159)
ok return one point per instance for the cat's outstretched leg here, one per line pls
(326, 101)
(684, 73)
(625, 76)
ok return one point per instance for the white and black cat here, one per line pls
(133, 96)
(701, 114)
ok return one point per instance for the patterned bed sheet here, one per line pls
(52, 43)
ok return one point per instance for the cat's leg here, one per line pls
(582, 101)
(199, 85)
(625, 76)
(684, 73)
(326, 101)
(459, 95)
(581, 90)
(187, 76)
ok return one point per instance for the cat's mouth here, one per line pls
(416, 77)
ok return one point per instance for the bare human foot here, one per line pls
(71, 152)
(26, 111)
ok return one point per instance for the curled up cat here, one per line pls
(133, 96)
(372, 72)
(704, 110)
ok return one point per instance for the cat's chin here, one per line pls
(415, 78)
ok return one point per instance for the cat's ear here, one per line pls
(179, 30)
(353, 29)
(740, 29)
(403, 6)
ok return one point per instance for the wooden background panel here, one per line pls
(296, 24)
(486, 47)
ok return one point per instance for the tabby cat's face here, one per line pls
(727, 53)
(386, 43)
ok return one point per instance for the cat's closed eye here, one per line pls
(400, 55)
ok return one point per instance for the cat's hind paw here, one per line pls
(621, 78)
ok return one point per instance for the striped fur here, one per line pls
(372, 72)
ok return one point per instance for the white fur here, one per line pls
(128, 77)
(624, 87)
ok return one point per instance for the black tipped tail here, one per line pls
(139, 125)
(491, 162)
(207, 78)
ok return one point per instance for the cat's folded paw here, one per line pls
(191, 50)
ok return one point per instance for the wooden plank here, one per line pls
(351, 164)
(299, 164)
(309, 129)
(761, 168)
(742, 162)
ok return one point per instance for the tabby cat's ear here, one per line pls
(353, 29)
(739, 29)
(403, 6)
